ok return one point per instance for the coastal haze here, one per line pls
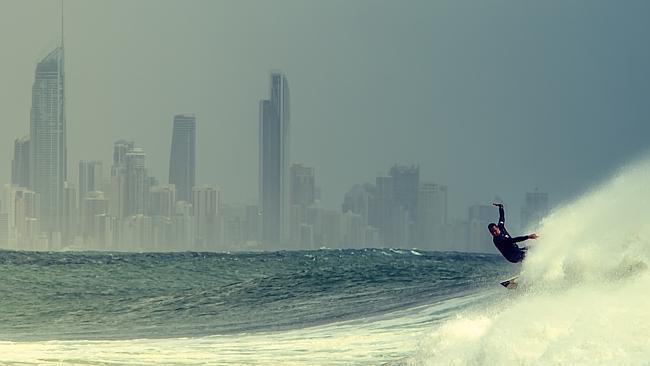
(489, 100)
(309, 182)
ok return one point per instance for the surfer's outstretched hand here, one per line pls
(497, 204)
(533, 236)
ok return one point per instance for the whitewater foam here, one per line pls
(367, 341)
(584, 299)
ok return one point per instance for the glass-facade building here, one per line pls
(182, 162)
(48, 152)
(274, 162)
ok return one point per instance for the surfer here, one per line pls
(506, 244)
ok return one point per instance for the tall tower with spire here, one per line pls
(274, 179)
(48, 150)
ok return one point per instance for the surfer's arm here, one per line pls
(525, 237)
(502, 213)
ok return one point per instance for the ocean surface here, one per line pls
(583, 299)
(301, 307)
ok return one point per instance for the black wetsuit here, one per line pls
(507, 244)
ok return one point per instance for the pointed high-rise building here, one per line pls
(274, 185)
(48, 152)
(182, 167)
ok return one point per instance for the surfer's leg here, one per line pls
(522, 253)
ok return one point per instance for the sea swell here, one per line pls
(67, 296)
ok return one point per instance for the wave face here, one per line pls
(584, 297)
(94, 296)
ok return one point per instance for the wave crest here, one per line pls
(583, 299)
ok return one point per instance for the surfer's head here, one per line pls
(494, 229)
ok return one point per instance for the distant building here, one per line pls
(20, 163)
(535, 209)
(307, 236)
(232, 222)
(297, 217)
(353, 234)
(137, 187)
(480, 239)
(206, 201)
(432, 217)
(459, 236)
(5, 238)
(386, 211)
(105, 232)
(93, 204)
(23, 210)
(274, 186)
(303, 185)
(48, 152)
(182, 161)
(162, 200)
(183, 227)
(360, 200)
(332, 229)
(303, 195)
(252, 227)
(71, 208)
(91, 177)
(117, 193)
(136, 233)
(120, 149)
(406, 184)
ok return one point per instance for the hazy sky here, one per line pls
(489, 97)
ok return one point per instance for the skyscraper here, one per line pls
(162, 200)
(302, 185)
(48, 152)
(361, 200)
(137, 188)
(20, 163)
(117, 193)
(90, 177)
(385, 210)
(206, 201)
(92, 205)
(182, 167)
(274, 177)
(432, 216)
(406, 183)
(120, 148)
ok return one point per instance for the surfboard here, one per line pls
(510, 283)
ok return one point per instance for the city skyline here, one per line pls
(339, 153)
(132, 211)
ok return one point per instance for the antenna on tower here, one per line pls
(61, 23)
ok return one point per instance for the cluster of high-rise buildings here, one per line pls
(126, 209)
(123, 208)
(399, 210)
